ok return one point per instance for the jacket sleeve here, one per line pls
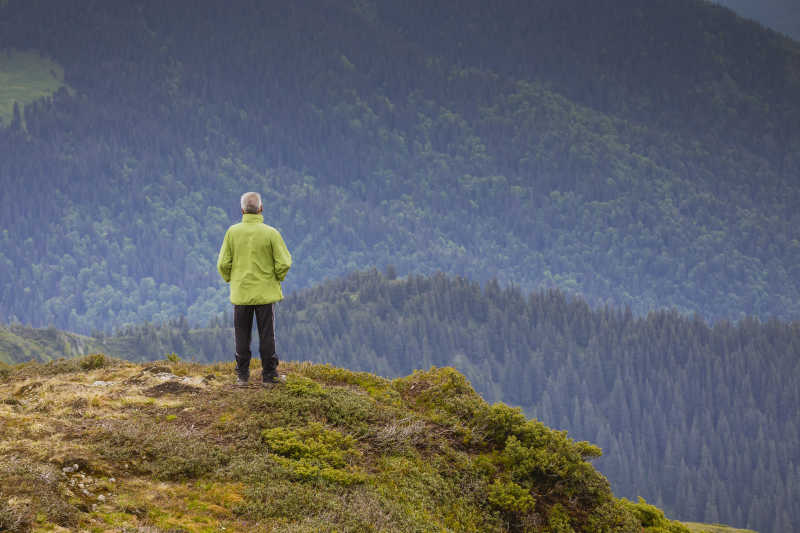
(225, 260)
(281, 257)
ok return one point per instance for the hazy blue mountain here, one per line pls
(780, 15)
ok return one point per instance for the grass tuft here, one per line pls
(14, 516)
(163, 451)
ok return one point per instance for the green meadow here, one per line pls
(25, 77)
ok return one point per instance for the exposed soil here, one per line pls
(171, 387)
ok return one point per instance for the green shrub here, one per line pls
(510, 498)
(540, 466)
(652, 518)
(303, 400)
(302, 386)
(612, 517)
(558, 520)
(306, 470)
(499, 421)
(314, 452)
(92, 361)
(434, 389)
(312, 442)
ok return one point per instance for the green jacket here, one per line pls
(254, 260)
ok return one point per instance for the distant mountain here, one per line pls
(21, 343)
(640, 153)
(780, 15)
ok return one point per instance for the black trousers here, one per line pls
(242, 328)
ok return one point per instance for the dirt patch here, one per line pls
(147, 373)
(25, 389)
(171, 387)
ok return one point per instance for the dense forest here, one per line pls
(639, 153)
(687, 413)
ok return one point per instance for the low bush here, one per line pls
(303, 400)
(652, 518)
(558, 520)
(93, 361)
(511, 499)
(612, 517)
(315, 453)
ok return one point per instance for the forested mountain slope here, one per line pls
(688, 414)
(639, 152)
(21, 343)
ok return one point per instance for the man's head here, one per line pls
(251, 203)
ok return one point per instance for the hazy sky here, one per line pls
(780, 15)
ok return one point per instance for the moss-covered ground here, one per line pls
(98, 444)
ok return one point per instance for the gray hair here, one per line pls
(251, 202)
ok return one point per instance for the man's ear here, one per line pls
(261, 209)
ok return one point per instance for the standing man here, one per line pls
(254, 260)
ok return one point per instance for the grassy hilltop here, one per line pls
(99, 444)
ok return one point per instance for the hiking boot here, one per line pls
(241, 382)
(274, 379)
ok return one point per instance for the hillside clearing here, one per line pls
(25, 77)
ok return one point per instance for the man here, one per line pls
(254, 260)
